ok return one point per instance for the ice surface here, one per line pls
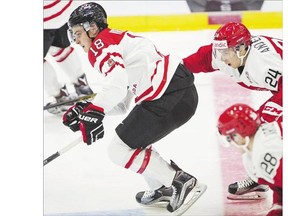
(84, 182)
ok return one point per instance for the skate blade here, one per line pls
(249, 196)
(161, 204)
(196, 193)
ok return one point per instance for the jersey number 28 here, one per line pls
(269, 163)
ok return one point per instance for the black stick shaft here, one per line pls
(63, 150)
(49, 159)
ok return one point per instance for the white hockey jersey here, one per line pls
(262, 71)
(265, 160)
(56, 12)
(129, 62)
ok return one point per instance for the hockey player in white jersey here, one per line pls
(57, 46)
(165, 97)
(261, 145)
(254, 62)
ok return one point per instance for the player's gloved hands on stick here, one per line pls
(91, 124)
(70, 117)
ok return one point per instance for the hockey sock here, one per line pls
(146, 161)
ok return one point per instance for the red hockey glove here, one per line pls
(91, 124)
(70, 117)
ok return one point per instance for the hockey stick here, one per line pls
(63, 150)
(86, 97)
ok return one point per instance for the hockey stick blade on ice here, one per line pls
(86, 97)
(62, 151)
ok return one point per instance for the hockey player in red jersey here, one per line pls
(261, 145)
(254, 62)
(57, 46)
(165, 97)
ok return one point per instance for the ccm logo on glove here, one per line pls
(87, 118)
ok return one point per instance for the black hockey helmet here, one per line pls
(87, 13)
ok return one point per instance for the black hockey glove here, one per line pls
(70, 117)
(91, 124)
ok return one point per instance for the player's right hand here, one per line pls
(70, 117)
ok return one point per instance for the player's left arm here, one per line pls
(200, 61)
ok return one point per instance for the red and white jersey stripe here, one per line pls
(56, 12)
(129, 61)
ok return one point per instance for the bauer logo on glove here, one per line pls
(87, 118)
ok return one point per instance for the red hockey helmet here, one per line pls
(239, 118)
(231, 35)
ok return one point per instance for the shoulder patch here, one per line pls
(110, 62)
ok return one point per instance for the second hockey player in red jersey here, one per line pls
(254, 62)
(261, 145)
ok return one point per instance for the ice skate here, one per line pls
(186, 191)
(157, 198)
(247, 190)
(81, 87)
(61, 97)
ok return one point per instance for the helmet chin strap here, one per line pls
(87, 28)
(242, 57)
(245, 146)
(92, 38)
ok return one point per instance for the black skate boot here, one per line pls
(247, 190)
(186, 191)
(82, 88)
(62, 97)
(161, 196)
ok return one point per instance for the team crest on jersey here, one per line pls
(110, 62)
